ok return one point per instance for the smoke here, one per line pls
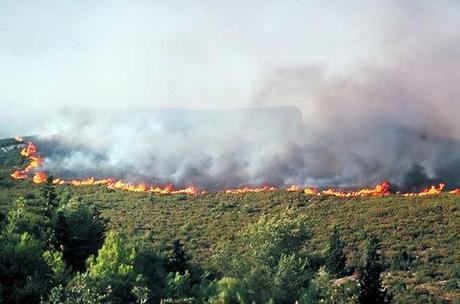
(384, 119)
(391, 117)
(208, 149)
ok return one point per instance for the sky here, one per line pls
(194, 54)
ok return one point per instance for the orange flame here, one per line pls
(39, 177)
(19, 174)
(250, 190)
(311, 191)
(379, 190)
(433, 190)
(35, 161)
(293, 188)
(30, 150)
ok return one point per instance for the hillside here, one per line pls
(427, 228)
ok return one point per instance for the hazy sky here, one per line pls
(199, 54)
(206, 54)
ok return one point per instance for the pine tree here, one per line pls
(335, 256)
(49, 196)
(371, 289)
(78, 232)
(179, 260)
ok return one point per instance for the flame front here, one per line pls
(35, 161)
(379, 190)
(433, 190)
(250, 190)
(39, 177)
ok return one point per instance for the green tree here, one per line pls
(266, 257)
(112, 271)
(110, 277)
(23, 271)
(292, 276)
(178, 286)
(48, 195)
(150, 265)
(78, 232)
(19, 219)
(371, 289)
(179, 260)
(323, 289)
(262, 244)
(335, 256)
(228, 291)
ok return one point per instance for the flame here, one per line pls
(433, 190)
(39, 177)
(35, 161)
(311, 191)
(30, 152)
(19, 174)
(293, 188)
(379, 190)
(250, 190)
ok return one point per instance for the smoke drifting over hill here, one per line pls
(221, 149)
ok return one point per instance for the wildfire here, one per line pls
(293, 188)
(30, 150)
(433, 190)
(379, 190)
(19, 174)
(35, 161)
(39, 177)
(250, 190)
(311, 191)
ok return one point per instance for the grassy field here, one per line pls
(426, 228)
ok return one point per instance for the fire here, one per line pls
(35, 161)
(39, 177)
(379, 190)
(433, 190)
(250, 190)
(311, 191)
(30, 152)
(19, 174)
(293, 188)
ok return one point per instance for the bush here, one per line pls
(402, 261)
